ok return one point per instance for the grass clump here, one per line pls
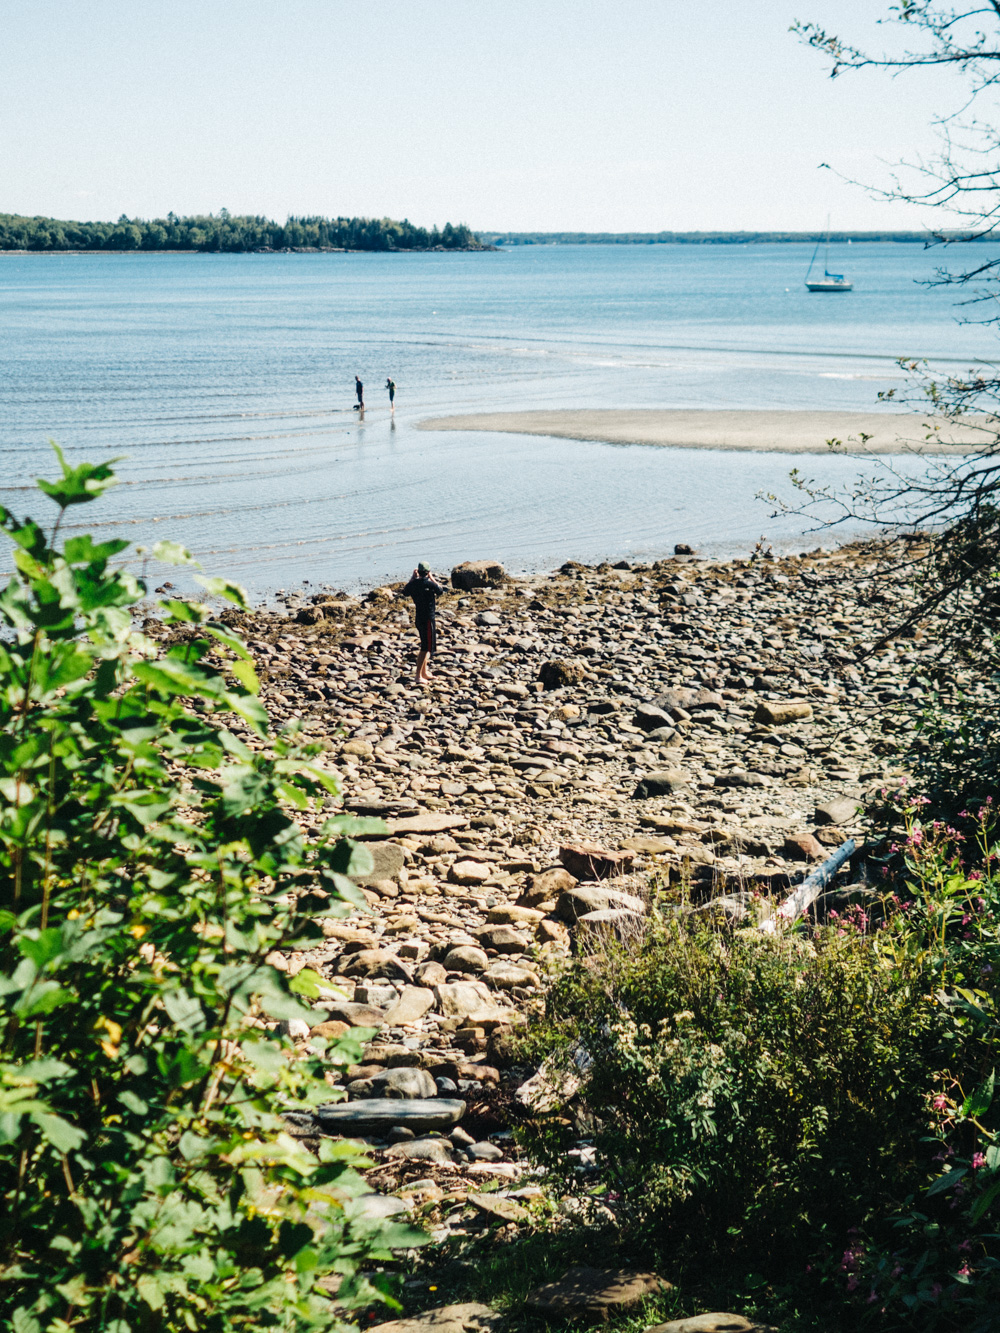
(809, 1115)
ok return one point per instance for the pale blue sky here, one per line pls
(535, 114)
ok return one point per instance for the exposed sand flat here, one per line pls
(783, 432)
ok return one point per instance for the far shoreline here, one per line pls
(787, 432)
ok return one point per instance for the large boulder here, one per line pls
(477, 574)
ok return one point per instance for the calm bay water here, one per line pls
(227, 382)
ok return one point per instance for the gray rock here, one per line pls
(840, 811)
(410, 1006)
(506, 976)
(466, 958)
(358, 1015)
(381, 1113)
(388, 859)
(423, 1150)
(648, 717)
(502, 938)
(461, 999)
(616, 921)
(596, 898)
(485, 1152)
(780, 714)
(406, 1084)
(663, 783)
(499, 1206)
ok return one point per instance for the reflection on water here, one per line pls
(228, 381)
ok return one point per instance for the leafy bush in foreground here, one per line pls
(817, 1109)
(149, 867)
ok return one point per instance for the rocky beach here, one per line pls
(702, 732)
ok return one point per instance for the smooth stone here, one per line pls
(357, 1015)
(485, 1152)
(388, 859)
(459, 999)
(803, 847)
(593, 898)
(423, 1150)
(496, 1205)
(406, 1084)
(596, 1292)
(501, 938)
(469, 873)
(380, 1113)
(470, 1317)
(546, 886)
(707, 1323)
(840, 811)
(466, 958)
(506, 976)
(662, 783)
(647, 717)
(780, 714)
(411, 1005)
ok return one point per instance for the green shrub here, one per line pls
(809, 1107)
(151, 863)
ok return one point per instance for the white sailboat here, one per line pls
(829, 282)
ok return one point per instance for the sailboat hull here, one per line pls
(830, 286)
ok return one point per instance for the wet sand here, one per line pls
(779, 432)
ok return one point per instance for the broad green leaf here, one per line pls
(232, 592)
(172, 553)
(63, 1136)
(978, 1102)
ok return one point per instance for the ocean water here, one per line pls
(227, 383)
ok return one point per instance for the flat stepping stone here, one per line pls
(495, 1205)
(379, 1114)
(709, 1323)
(596, 1292)
(466, 1318)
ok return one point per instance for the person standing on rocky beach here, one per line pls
(424, 590)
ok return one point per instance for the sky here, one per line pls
(542, 115)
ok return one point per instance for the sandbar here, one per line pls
(788, 432)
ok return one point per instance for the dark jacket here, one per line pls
(425, 592)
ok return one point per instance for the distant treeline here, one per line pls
(225, 232)
(696, 237)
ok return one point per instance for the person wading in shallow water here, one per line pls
(424, 591)
(390, 384)
(359, 389)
